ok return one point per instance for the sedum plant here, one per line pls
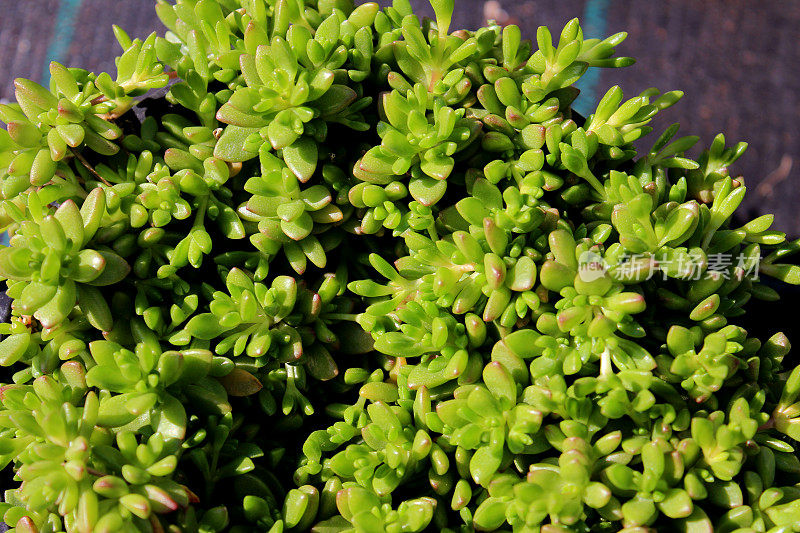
(301, 265)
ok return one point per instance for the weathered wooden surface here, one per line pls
(737, 61)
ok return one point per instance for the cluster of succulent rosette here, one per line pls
(350, 271)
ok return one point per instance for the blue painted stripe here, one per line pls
(594, 26)
(63, 33)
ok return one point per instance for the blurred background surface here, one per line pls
(738, 62)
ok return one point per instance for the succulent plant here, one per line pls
(301, 265)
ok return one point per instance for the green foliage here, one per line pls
(357, 272)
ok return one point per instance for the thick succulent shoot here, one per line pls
(49, 267)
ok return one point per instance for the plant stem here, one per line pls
(342, 316)
(89, 167)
